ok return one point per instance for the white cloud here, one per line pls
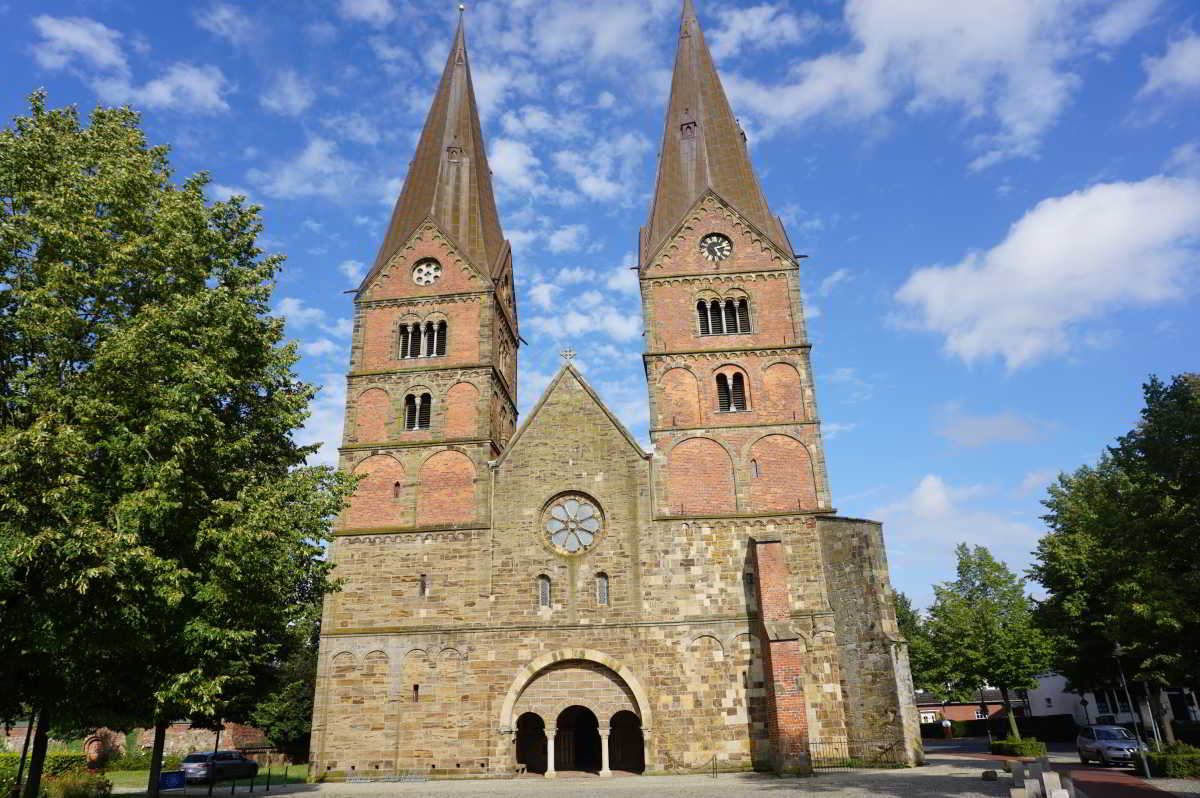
(761, 27)
(1185, 160)
(831, 282)
(289, 94)
(318, 171)
(354, 270)
(624, 278)
(514, 164)
(372, 12)
(1036, 481)
(321, 32)
(223, 193)
(608, 170)
(319, 347)
(184, 87)
(66, 38)
(1067, 261)
(1122, 19)
(1177, 70)
(533, 120)
(570, 275)
(542, 295)
(574, 321)
(568, 239)
(324, 425)
(965, 429)
(1004, 64)
(847, 380)
(353, 127)
(303, 316)
(832, 429)
(226, 21)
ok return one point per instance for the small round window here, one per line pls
(426, 272)
(572, 524)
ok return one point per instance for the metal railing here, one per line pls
(833, 755)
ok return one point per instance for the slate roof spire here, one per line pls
(703, 147)
(449, 179)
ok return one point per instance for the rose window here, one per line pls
(572, 524)
(427, 272)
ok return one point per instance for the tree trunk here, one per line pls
(1163, 718)
(16, 788)
(156, 757)
(1008, 710)
(37, 757)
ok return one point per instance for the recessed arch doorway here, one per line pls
(626, 744)
(531, 743)
(577, 741)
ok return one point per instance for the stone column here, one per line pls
(550, 774)
(604, 771)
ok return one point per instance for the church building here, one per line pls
(550, 597)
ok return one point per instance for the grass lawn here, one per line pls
(126, 779)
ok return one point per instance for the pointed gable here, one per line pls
(568, 402)
(449, 180)
(703, 147)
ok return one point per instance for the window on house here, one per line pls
(423, 588)
(980, 715)
(601, 588)
(417, 411)
(738, 392)
(702, 316)
(1049, 702)
(1102, 702)
(723, 393)
(543, 591)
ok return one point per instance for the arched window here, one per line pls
(702, 315)
(738, 392)
(404, 340)
(601, 588)
(396, 491)
(731, 317)
(423, 588)
(743, 312)
(417, 411)
(429, 345)
(754, 470)
(543, 591)
(722, 393)
(714, 318)
(440, 350)
(410, 341)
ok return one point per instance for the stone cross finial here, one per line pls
(568, 354)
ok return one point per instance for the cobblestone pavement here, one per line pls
(944, 777)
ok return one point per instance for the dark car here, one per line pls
(218, 766)
(1108, 745)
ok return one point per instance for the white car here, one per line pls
(1108, 745)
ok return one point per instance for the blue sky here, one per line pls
(1000, 200)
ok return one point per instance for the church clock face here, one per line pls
(426, 272)
(716, 247)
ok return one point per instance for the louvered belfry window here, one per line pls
(727, 317)
(430, 343)
(414, 341)
(440, 350)
(423, 412)
(714, 317)
(722, 393)
(738, 392)
(404, 340)
(410, 412)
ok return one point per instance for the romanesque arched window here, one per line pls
(754, 470)
(731, 392)
(738, 392)
(423, 586)
(396, 490)
(731, 317)
(543, 591)
(429, 345)
(417, 411)
(723, 317)
(743, 313)
(403, 340)
(702, 316)
(723, 393)
(411, 338)
(602, 588)
(715, 322)
(440, 347)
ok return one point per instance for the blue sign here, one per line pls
(171, 780)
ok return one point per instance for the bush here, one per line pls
(78, 784)
(1176, 761)
(140, 760)
(1187, 731)
(1025, 746)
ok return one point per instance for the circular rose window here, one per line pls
(572, 524)
(426, 272)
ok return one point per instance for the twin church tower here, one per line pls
(552, 598)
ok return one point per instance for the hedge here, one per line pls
(56, 763)
(1173, 766)
(1026, 746)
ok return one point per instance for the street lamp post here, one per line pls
(1137, 727)
(1083, 702)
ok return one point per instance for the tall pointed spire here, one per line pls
(449, 179)
(703, 147)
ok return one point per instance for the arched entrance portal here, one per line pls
(531, 743)
(577, 741)
(626, 746)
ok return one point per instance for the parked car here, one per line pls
(1108, 745)
(218, 766)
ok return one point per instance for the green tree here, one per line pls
(1120, 564)
(159, 534)
(285, 713)
(982, 626)
(922, 656)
